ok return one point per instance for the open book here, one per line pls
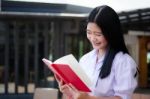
(67, 68)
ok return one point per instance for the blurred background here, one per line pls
(31, 30)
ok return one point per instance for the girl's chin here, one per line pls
(96, 47)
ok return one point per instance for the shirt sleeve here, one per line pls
(125, 82)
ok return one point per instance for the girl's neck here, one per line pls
(101, 52)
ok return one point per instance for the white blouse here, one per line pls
(121, 81)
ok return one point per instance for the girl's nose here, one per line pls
(93, 38)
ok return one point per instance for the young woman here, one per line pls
(109, 64)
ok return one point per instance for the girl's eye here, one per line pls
(88, 32)
(98, 34)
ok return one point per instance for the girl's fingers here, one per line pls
(72, 87)
(57, 78)
(59, 81)
(60, 85)
(64, 88)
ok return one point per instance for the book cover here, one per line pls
(67, 68)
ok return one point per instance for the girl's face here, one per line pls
(95, 36)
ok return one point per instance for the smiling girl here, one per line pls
(109, 65)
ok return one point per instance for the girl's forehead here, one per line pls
(93, 26)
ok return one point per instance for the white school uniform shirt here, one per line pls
(121, 81)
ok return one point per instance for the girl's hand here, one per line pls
(63, 87)
(57, 78)
(73, 93)
(70, 91)
(59, 81)
(78, 94)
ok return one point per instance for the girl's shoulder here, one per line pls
(120, 56)
(88, 55)
(123, 60)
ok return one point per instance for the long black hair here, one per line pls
(107, 19)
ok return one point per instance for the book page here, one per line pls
(74, 65)
(47, 62)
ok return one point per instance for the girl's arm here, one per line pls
(72, 92)
(109, 97)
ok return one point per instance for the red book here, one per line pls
(67, 68)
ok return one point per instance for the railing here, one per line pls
(24, 44)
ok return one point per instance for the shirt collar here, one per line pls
(100, 60)
(95, 55)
